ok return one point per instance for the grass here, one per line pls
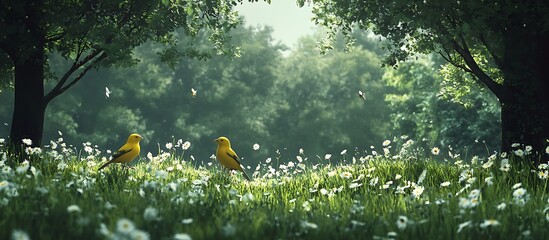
(60, 195)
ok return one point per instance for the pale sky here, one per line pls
(289, 22)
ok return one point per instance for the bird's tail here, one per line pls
(104, 165)
(246, 175)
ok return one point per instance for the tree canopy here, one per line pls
(501, 44)
(94, 34)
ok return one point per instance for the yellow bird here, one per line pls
(127, 152)
(227, 157)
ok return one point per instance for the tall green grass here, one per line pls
(60, 195)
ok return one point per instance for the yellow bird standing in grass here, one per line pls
(227, 157)
(127, 152)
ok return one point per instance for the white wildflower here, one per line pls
(125, 226)
(151, 214)
(501, 206)
(464, 225)
(418, 190)
(139, 235)
(186, 145)
(187, 221)
(19, 235)
(402, 222)
(308, 225)
(489, 223)
(435, 151)
(73, 208)
(27, 141)
(182, 236)
(346, 175)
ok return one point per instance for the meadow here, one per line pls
(392, 191)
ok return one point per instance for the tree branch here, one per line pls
(86, 69)
(475, 69)
(54, 37)
(75, 66)
(449, 59)
(496, 58)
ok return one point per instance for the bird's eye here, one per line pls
(221, 140)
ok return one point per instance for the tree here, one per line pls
(321, 110)
(420, 110)
(91, 34)
(502, 43)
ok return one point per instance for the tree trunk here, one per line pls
(524, 106)
(29, 105)
(27, 53)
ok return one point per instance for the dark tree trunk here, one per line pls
(27, 54)
(524, 104)
(29, 108)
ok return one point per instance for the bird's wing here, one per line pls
(120, 152)
(233, 155)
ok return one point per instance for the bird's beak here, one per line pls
(215, 140)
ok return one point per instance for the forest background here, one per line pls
(279, 99)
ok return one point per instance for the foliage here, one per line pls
(500, 43)
(419, 111)
(265, 98)
(356, 196)
(108, 31)
(321, 102)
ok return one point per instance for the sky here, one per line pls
(289, 22)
